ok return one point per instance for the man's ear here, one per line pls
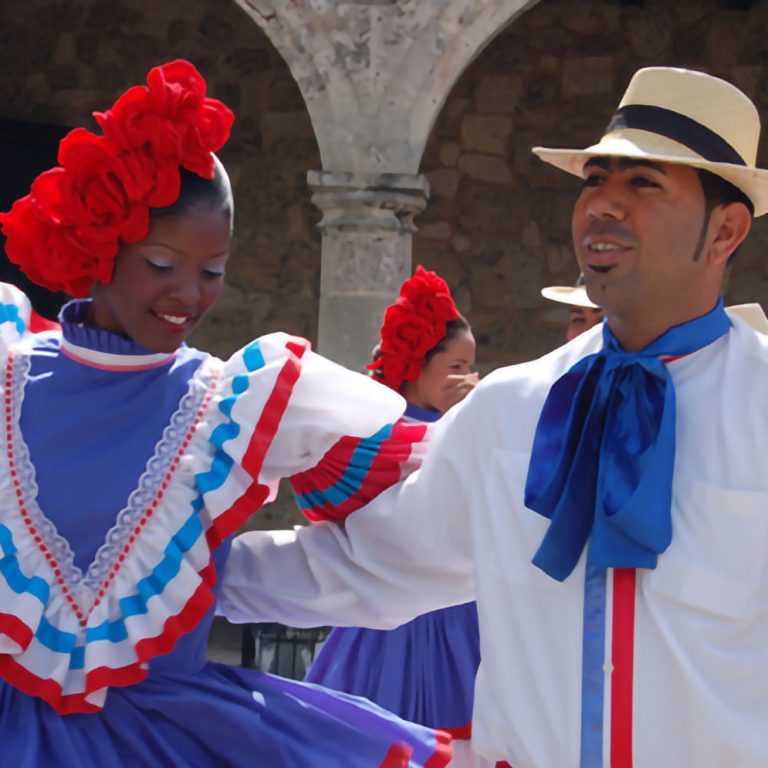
(731, 224)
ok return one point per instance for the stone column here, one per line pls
(374, 75)
(366, 227)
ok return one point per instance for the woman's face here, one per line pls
(447, 377)
(164, 285)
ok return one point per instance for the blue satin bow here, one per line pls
(604, 451)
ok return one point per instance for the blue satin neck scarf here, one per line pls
(604, 450)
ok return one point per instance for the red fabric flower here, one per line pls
(48, 255)
(66, 233)
(134, 123)
(176, 87)
(413, 325)
(88, 191)
(148, 178)
(172, 116)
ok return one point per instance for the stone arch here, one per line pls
(479, 26)
(374, 75)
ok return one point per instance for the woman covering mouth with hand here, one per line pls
(424, 670)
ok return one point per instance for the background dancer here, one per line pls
(425, 670)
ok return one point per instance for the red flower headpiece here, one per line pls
(413, 325)
(66, 232)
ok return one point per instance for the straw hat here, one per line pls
(681, 116)
(575, 295)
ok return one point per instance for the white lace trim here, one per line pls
(56, 543)
(150, 481)
(84, 588)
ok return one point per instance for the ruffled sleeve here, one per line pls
(355, 470)
(279, 409)
(15, 311)
(275, 409)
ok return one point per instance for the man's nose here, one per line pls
(607, 201)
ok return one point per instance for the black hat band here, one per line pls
(684, 130)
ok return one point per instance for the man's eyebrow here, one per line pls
(598, 162)
(623, 164)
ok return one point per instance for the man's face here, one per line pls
(582, 319)
(639, 232)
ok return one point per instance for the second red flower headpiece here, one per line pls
(66, 232)
(413, 325)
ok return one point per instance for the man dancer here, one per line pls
(607, 504)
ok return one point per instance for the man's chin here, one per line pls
(602, 283)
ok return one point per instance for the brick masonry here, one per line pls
(497, 225)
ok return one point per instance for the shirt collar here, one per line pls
(421, 414)
(98, 348)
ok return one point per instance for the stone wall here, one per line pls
(497, 226)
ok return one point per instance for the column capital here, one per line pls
(368, 202)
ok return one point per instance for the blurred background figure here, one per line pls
(426, 668)
(584, 314)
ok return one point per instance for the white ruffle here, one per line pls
(326, 402)
(67, 638)
(275, 408)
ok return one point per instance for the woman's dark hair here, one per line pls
(453, 328)
(195, 190)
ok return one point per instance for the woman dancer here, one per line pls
(130, 458)
(425, 670)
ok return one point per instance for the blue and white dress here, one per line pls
(423, 671)
(124, 475)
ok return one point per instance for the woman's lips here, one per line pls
(176, 323)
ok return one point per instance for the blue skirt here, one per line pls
(217, 717)
(423, 671)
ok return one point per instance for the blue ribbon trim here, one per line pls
(222, 463)
(11, 571)
(593, 668)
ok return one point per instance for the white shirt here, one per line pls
(679, 678)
